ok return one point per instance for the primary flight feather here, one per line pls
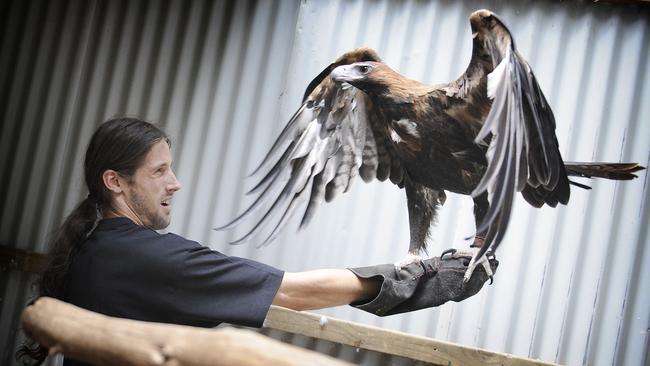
(488, 134)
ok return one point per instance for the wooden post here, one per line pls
(103, 340)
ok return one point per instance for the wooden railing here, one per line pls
(388, 341)
(102, 340)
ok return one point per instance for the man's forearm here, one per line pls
(323, 288)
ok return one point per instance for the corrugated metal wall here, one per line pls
(223, 77)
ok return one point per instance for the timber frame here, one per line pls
(640, 2)
(21, 260)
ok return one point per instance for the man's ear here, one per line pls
(112, 181)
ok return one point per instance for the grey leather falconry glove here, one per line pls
(427, 283)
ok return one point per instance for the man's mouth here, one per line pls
(166, 203)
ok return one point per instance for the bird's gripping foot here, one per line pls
(411, 257)
(474, 262)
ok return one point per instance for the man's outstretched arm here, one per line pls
(323, 288)
(385, 289)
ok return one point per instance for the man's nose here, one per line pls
(175, 185)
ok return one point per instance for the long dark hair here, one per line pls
(120, 144)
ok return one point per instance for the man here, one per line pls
(107, 256)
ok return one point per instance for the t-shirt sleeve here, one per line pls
(210, 287)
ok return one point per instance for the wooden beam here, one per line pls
(21, 260)
(388, 341)
(102, 340)
(626, 2)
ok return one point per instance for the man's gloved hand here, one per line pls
(430, 282)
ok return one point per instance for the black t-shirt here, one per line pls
(129, 271)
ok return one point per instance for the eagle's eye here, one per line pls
(364, 69)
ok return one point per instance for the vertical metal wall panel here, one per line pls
(223, 77)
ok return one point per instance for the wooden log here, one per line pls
(388, 341)
(102, 340)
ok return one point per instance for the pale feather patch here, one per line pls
(409, 126)
(496, 77)
(395, 137)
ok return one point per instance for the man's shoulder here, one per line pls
(123, 230)
(145, 253)
(163, 245)
(171, 240)
(138, 242)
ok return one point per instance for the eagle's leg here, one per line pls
(481, 205)
(422, 203)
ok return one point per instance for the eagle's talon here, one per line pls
(484, 261)
(451, 251)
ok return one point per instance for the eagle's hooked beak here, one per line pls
(345, 73)
(340, 73)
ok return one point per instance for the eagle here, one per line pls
(488, 134)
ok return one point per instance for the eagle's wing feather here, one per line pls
(523, 149)
(328, 142)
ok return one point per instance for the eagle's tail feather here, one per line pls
(614, 171)
(538, 196)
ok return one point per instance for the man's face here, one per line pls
(148, 193)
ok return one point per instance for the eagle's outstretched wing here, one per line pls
(323, 147)
(523, 150)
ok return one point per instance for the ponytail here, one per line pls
(67, 240)
(52, 281)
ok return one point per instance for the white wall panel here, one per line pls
(223, 77)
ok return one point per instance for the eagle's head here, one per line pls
(485, 22)
(359, 74)
(375, 79)
(489, 33)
